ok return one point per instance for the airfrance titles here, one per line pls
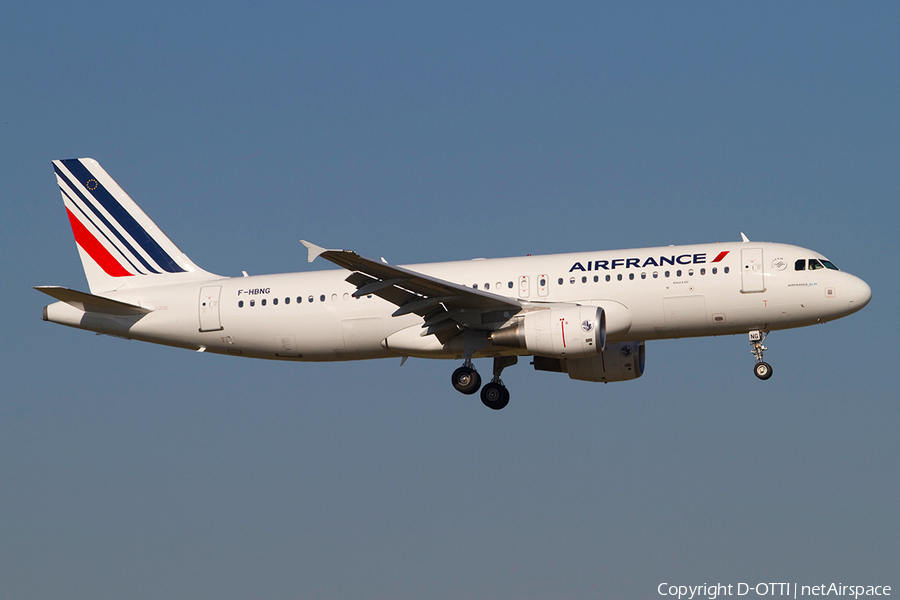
(643, 263)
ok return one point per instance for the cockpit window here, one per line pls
(830, 265)
(815, 264)
(800, 265)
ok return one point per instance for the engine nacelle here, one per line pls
(618, 362)
(559, 332)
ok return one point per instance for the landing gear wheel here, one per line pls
(466, 380)
(494, 395)
(762, 370)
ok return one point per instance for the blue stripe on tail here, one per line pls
(88, 218)
(123, 217)
(105, 221)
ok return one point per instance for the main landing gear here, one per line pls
(466, 379)
(494, 395)
(763, 370)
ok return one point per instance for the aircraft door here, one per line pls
(209, 308)
(362, 336)
(752, 277)
(686, 314)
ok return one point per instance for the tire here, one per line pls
(494, 396)
(762, 370)
(466, 380)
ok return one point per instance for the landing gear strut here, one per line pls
(494, 395)
(763, 370)
(466, 379)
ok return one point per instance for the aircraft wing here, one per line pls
(445, 306)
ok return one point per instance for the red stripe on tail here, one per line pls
(95, 249)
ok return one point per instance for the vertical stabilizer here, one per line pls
(120, 246)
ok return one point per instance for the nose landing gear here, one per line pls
(762, 370)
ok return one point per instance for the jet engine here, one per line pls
(559, 332)
(618, 362)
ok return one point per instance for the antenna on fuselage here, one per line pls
(744, 238)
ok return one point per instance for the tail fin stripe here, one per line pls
(104, 220)
(87, 218)
(123, 217)
(95, 249)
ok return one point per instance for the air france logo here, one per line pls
(650, 261)
(587, 327)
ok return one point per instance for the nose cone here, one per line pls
(859, 293)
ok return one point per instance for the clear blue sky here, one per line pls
(420, 132)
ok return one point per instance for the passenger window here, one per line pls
(310, 298)
(678, 273)
(287, 300)
(596, 278)
(725, 270)
(253, 303)
(800, 265)
(690, 272)
(487, 286)
(703, 271)
(619, 277)
(572, 280)
(608, 278)
(299, 299)
(667, 274)
(275, 301)
(643, 276)
(509, 285)
(655, 274)
(263, 302)
(240, 304)
(584, 280)
(715, 270)
(631, 276)
(499, 286)
(474, 286)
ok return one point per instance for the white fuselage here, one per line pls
(647, 293)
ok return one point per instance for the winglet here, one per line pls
(744, 238)
(314, 251)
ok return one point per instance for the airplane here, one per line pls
(586, 314)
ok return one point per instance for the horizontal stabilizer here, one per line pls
(90, 303)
